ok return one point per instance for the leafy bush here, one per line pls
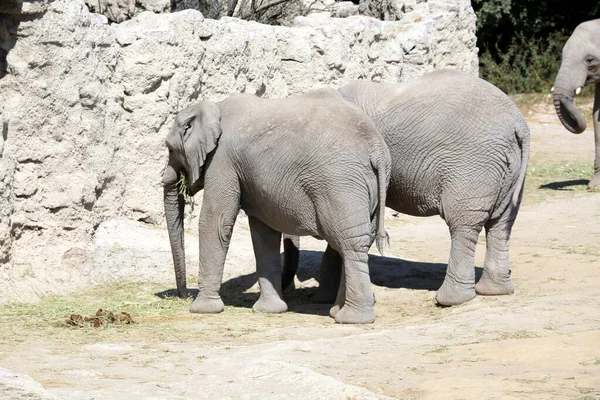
(526, 66)
(520, 41)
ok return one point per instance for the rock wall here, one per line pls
(121, 10)
(85, 107)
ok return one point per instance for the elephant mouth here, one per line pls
(185, 187)
(181, 181)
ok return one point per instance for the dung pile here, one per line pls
(101, 318)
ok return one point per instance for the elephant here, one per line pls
(460, 149)
(580, 66)
(311, 164)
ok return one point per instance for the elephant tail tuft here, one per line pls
(382, 166)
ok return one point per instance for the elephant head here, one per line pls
(194, 135)
(580, 66)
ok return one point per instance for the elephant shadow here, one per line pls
(384, 271)
(564, 185)
(388, 272)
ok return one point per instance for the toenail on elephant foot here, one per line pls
(207, 305)
(272, 305)
(334, 310)
(490, 287)
(452, 296)
(352, 315)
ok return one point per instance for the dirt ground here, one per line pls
(542, 342)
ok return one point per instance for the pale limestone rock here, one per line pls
(121, 10)
(19, 386)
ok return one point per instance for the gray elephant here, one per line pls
(580, 66)
(305, 165)
(460, 149)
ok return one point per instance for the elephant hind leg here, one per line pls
(345, 223)
(459, 282)
(268, 267)
(465, 222)
(355, 301)
(496, 271)
(291, 258)
(330, 272)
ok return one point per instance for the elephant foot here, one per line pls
(325, 295)
(354, 315)
(451, 296)
(207, 305)
(334, 310)
(270, 305)
(594, 182)
(488, 286)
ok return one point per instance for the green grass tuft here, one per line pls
(573, 171)
(182, 186)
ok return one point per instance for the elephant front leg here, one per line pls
(215, 229)
(595, 181)
(459, 283)
(268, 267)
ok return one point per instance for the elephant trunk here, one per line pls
(174, 208)
(564, 93)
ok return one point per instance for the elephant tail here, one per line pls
(522, 134)
(382, 167)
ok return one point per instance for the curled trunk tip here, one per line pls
(568, 114)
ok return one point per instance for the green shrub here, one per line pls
(520, 41)
(527, 65)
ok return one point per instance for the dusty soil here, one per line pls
(543, 342)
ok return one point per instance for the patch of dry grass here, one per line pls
(582, 250)
(521, 334)
(157, 317)
(22, 321)
(546, 180)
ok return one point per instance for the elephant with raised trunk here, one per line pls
(580, 66)
(459, 149)
(311, 164)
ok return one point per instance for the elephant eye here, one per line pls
(187, 128)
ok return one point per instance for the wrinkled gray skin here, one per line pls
(459, 149)
(580, 67)
(267, 156)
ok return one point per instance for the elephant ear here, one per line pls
(200, 129)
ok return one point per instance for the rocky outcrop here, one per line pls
(121, 10)
(18, 386)
(85, 107)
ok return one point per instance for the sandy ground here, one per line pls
(543, 342)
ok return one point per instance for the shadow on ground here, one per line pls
(565, 185)
(385, 271)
